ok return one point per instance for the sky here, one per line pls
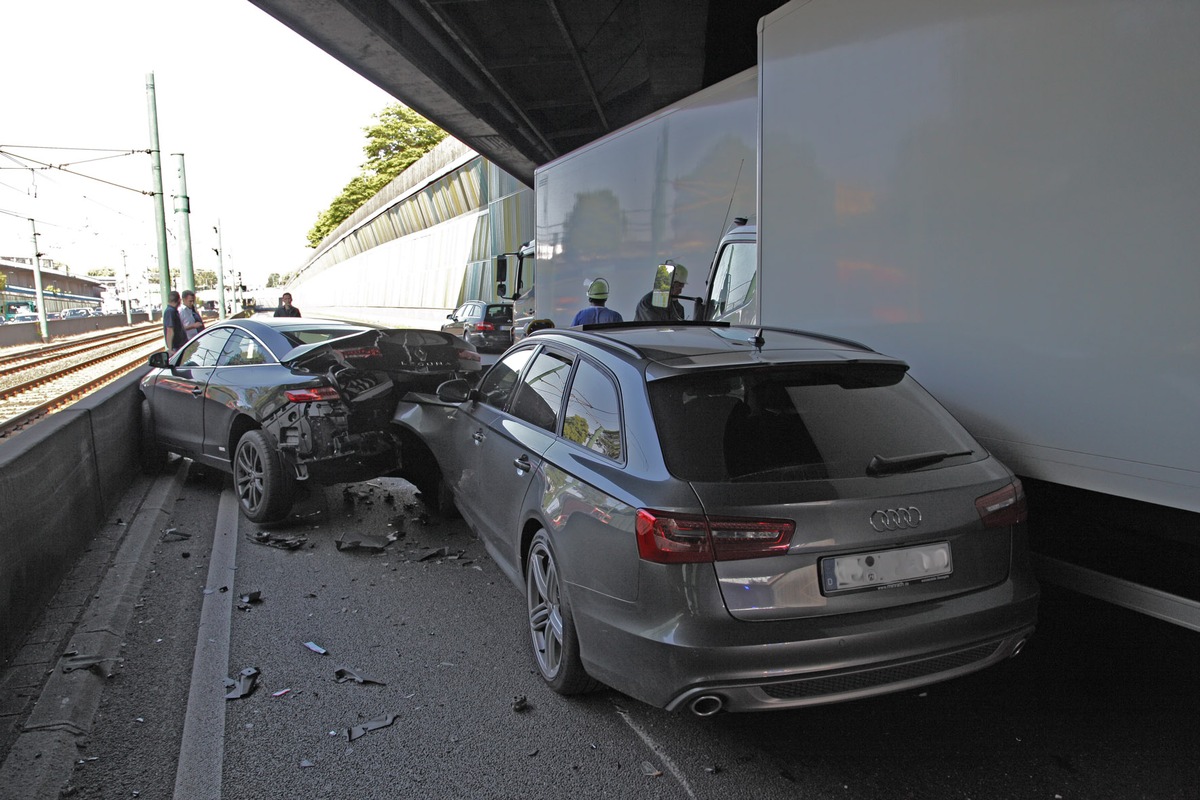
(271, 129)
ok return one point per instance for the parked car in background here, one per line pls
(276, 401)
(713, 517)
(488, 326)
(74, 313)
(26, 317)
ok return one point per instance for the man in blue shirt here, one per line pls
(596, 311)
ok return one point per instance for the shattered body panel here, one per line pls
(323, 395)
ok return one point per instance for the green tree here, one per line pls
(205, 279)
(102, 272)
(274, 280)
(3, 281)
(395, 141)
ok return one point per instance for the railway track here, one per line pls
(42, 383)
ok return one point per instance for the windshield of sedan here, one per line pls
(812, 422)
(301, 336)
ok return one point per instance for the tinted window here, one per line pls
(300, 336)
(817, 422)
(204, 350)
(243, 349)
(499, 313)
(497, 386)
(539, 397)
(593, 417)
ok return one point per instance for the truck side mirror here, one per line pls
(501, 270)
(501, 289)
(660, 294)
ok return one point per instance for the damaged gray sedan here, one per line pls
(279, 401)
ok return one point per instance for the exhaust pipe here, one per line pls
(707, 705)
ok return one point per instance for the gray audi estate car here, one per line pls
(276, 401)
(726, 518)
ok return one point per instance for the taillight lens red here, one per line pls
(362, 352)
(1004, 507)
(313, 395)
(687, 538)
(484, 326)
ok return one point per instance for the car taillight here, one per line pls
(484, 326)
(1004, 507)
(362, 352)
(313, 395)
(685, 538)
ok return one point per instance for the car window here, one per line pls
(498, 384)
(593, 415)
(204, 350)
(733, 282)
(539, 397)
(242, 349)
(813, 422)
(301, 336)
(499, 313)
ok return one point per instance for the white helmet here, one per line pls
(598, 289)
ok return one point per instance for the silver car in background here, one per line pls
(713, 517)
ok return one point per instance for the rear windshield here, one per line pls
(499, 313)
(301, 336)
(815, 422)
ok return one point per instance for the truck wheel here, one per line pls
(265, 490)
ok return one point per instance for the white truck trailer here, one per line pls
(1006, 195)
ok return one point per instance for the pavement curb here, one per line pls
(41, 760)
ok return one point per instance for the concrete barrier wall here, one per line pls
(59, 481)
(29, 333)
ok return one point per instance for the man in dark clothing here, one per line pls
(173, 332)
(648, 312)
(286, 309)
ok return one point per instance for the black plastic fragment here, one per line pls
(345, 674)
(280, 540)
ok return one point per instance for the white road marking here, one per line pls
(658, 752)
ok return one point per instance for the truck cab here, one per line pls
(730, 293)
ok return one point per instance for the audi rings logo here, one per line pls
(895, 519)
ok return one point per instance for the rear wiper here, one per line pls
(881, 465)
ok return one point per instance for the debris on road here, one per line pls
(650, 771)
(174, 534)
(280, 540)
(344, 674)
(243, 685)
(364, 541)
(305, 763)
(73, 661)
(280, 693)
(520, 703)
(316, 648)
(370, 725)
(440, 552)
(249, 600)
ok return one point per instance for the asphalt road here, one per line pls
(1103, 703)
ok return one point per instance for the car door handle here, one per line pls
(522, 463)
(478, 437)
(197, 391)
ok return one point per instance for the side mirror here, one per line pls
(501, 289)
(160, 360)
(660, 294)
(501, 270)
(454, 391)
(449, 316)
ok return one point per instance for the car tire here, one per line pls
(551, 625)
(264, 489)
(151, 457)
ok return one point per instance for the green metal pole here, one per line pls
(160, 215)
(125, 279)
(37, 284)
(183, 209)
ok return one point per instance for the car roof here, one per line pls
(667, 348)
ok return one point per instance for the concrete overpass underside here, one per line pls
(525, 81)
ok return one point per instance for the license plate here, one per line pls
(886, 569)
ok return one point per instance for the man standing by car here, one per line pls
(286, 309)
(192, 321)
(596, 311)
(173, 332)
